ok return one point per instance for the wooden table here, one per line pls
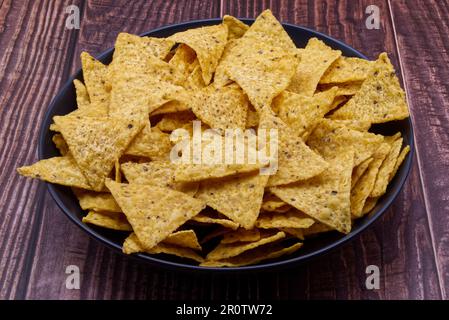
(410, 244)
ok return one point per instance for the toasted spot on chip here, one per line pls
(228, 250)
(241, 235)
(183, 238)
(208, 43)
(236, 28)
(262, 61)
(150, 143)
(316, 58)
(346, 69)
(96, 201)
(132, 244)
(159, 173)
(380, 99)
(239, 198)
(326, 197)
(94, 74)
(109, 220)
(254, 256)
(59, 170)
(296, 161)
(290, 219)
(361, 191)
(154, 212)
(96, 143)
(221, 108)
(82, 97)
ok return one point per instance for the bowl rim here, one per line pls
(285, 263)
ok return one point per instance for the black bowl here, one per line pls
(65, 102)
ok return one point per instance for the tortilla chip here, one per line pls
(359, 125)
(315, 229)
(59, 170)
(380, 99)
(331, 139)
(183, 59)
(159, 173)
(60, 144)
(239, 198)
(316, 58)
(370, 203)
(236, 28)
(206, 218)
(254, 256)
(221, 108)
(296, 161)
(221, 78)
(150, 143)
(173, 121)
(271, 203)
(399, 161)
(82, 97)
(252, 117)
(94, 74)
(195, 80)
(109, 220)
(171, 107)
(154, 212)
(302, 112)
(228, 250)
(241, 235)
(132, 244)
(358, 171)
(346, 69)
(326, 197)
(208, 43)
(344, 89)
(291, 219)
(385, 170)
(263, 60)
(96, 201)
(183, 238)
(361, 191)
(95, 143)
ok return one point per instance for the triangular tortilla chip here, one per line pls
(315, 60)
(97, 201)
(291, 219)
(326, 197)
(380, 99)
(359, 170)
(208, 43)
(82, 97)
(109, 220)
(345, 70)
(399, 161)
(221, 108)
(263, 60)
(296, 161)
(241, 235)
(154, 212)
(150, 143)
(96, 143)
(239, 198)
(183, 238)
(210, 218)
(236, 28)
(94, 74)
(59, 170)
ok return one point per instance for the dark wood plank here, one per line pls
(31, 34)
(106, 274)
(400, 244)
(421, 29)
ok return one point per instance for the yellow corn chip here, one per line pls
(344, 89)
(291, 219)
(252, 118)
(133, 245)
(82, 97)
(100, 202)
(184, 238)
(262, 61)
(236, 28)
(94, 74)
(60, 144)
(150, 143)
(297, 233)
(365, 185)
(399, 161)
(154, 212)
(326, 197)
(208, 43)
(221, 78)
(271, 203)
(171, 106)
(241, 235)
(346, 69)
(380, 99)
(315, 229)
(385, 170)
(359, 171)
(221, 108)
(59, 170)
(253, 256)
(95, 143)
(228, 250)
(183, 59)
(370, 203)
(315, 60)
(173, 121)
(159, 173)
(109, 220)
(239, 198)
(207, 218)
(195, 80)
(296, 161)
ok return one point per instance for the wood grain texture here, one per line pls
(421, 29)
(38, 242)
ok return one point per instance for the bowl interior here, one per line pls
(65, 102)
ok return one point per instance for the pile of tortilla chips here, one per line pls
(115, 147)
